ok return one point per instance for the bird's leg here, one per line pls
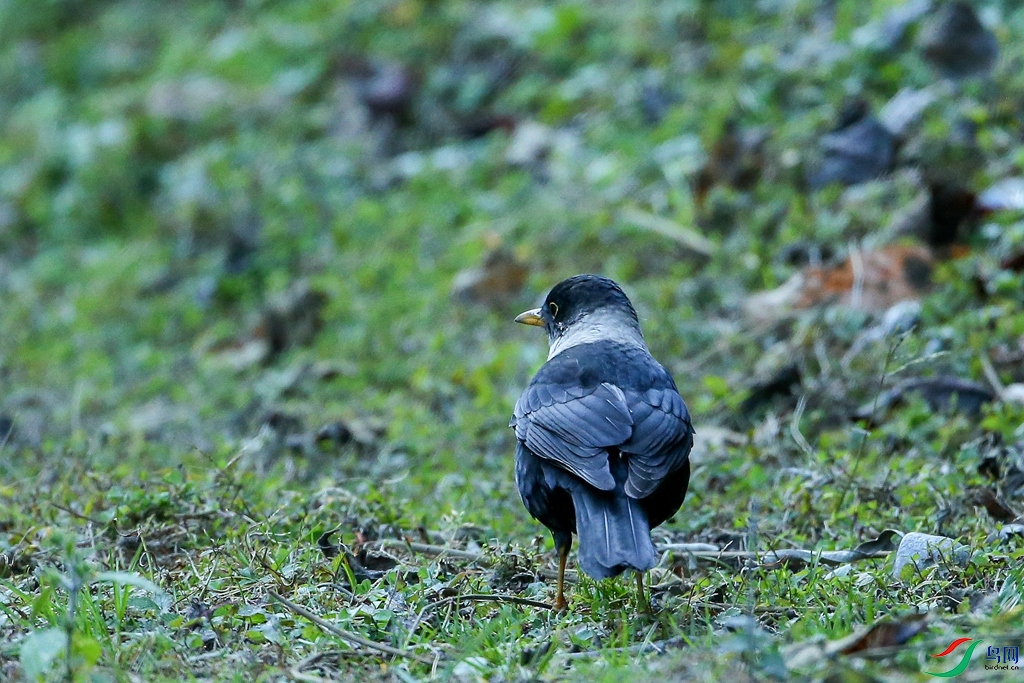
(640, 594)
(563, 556)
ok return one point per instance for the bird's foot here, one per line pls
(561, 604)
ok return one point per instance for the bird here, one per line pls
(603, 437)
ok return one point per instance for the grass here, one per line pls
(169, 173)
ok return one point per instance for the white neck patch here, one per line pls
(601, 325)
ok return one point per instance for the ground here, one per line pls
(259, 262)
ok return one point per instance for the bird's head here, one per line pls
(585, 308)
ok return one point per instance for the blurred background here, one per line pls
(298, 230)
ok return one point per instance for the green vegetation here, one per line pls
(237, 253)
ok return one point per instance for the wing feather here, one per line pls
(570, 418)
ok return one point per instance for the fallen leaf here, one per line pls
(878, 639)
(899, 319)
(867, 280)
(940, 393)
(1011, 531)
(240, 355)
(996, 509)
(15, 563)
(954, 41)
(871, 280)
(1006, 465)
(905, 109)
(782, 383)
(495, 282)
(860, 149)
(882, 634)
(377, 560)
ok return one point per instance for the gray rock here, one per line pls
(924, 550)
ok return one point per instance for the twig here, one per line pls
(794, 427)
(666, 227)
(689, 548)
(434, 550)
(660, 647)
(295, 672)
(439, 551)
(857, 266)
(348, 635)
(699, 551)
(79, 515)
(300, 677)
(990, 374)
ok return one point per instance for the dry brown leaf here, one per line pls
(867, 280)
(877, 639)
(883, 634)
(995, 508)
(870, 280)
(495, 283)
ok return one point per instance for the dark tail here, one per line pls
(614, 533)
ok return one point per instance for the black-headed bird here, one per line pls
(603, 435)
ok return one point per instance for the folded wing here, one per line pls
(660, 442)
(574, 428)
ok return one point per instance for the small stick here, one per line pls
(660, 647)
(437, 550)
(427, 549)
(493, 597)
(990, 374)
(348, 635)
(295, 672)
(300, 677)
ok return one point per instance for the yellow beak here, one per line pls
(531, 318)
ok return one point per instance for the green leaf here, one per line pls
(88, 649)
(38, 651)
(129, 579)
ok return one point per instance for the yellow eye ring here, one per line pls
(553, 307)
